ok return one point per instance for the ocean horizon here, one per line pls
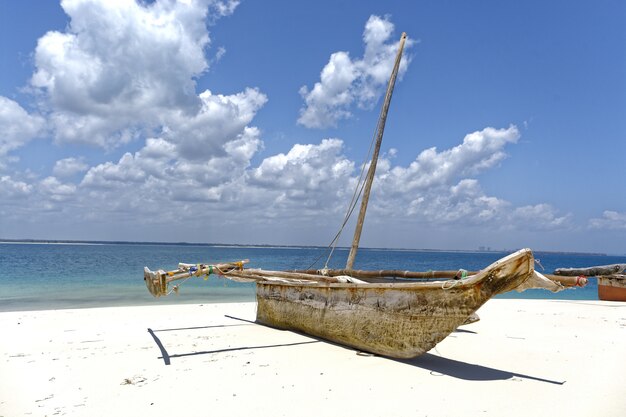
(270, 245)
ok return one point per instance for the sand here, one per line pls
(524, 358)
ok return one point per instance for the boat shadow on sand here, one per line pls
(440, 366)
(436, 365)
(167, 358)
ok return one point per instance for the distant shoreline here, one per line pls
(268, 246)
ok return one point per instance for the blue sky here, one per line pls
(247, 122)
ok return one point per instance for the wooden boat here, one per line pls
(394, 313)
(612, 288)
(394, 316)
(400, 320)
(611, 279)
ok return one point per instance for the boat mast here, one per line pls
(372, 168)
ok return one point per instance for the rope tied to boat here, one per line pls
(175, 287)
(458, 277)
(197, 270)
(158, 282)
(209, 272)
(581, 281)
(449, 284)
(538, 262)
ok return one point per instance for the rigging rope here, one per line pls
(538, 262)
(366, 183)
(175, 287)
(358, 190)
(196, 271)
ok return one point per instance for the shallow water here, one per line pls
(52, 276)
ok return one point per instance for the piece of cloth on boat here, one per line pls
(346, 278)
(538, 280)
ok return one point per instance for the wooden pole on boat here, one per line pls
(372, 168)
(592, 271)
(566, 281)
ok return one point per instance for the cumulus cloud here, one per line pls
(308, 179)
(109, 77)
(219, 119)
(69, 166)
(610, 220)
(308, 183)
(539, 216)
(17, 126)
(463, 202)
(13, 189)
(479, 151)
(127, 70)
(304, 167)
(55, 189)
(157, 172)
(437, 187)
(127, 172)
(345, 82)
(317, 179)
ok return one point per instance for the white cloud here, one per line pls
(127, 172)
(437, 187)
(464, 202)
(310, 184)
(219, 120)
(56, 190)
(330, 98)
(308, 180)
(127, 70)
(155, 185)
(304, 167)
(109, 77)
(69, 166)
(479, 151)
(224, 8)
(539, 217)
(17, 127)
(610, 220)
(345, 82)
(157, 171)
(13, 189)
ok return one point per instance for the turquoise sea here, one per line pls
(55, 276)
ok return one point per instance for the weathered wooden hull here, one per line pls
(612, 288)
(400, 320)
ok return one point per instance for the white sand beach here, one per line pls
(524, 358)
